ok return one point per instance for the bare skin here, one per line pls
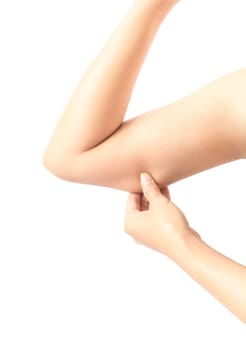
(91, 144)
(200, 131)
(153, 220)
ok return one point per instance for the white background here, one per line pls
(70, 278)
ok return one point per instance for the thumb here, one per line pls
(150, 189)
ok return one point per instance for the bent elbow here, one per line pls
(58, 168)
(50, 165)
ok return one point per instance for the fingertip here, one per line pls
(149, 185)
(146, 179)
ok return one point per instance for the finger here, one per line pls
(144, 203)
(133, 202)
(150, 188)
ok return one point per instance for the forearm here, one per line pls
(98, 105)
(219, 275)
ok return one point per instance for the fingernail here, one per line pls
(145, 179)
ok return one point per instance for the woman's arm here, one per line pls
(222, 277)
(92, 145)
(98, 105)
(153, 220)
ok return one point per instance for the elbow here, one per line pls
(63, 168)
(50, 165)
(58, 168)
(242, 318)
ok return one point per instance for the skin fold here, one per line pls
(92, 144)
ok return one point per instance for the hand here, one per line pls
(154, 221)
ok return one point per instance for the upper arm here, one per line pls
(187, 136)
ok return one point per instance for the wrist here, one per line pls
(189, 241)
